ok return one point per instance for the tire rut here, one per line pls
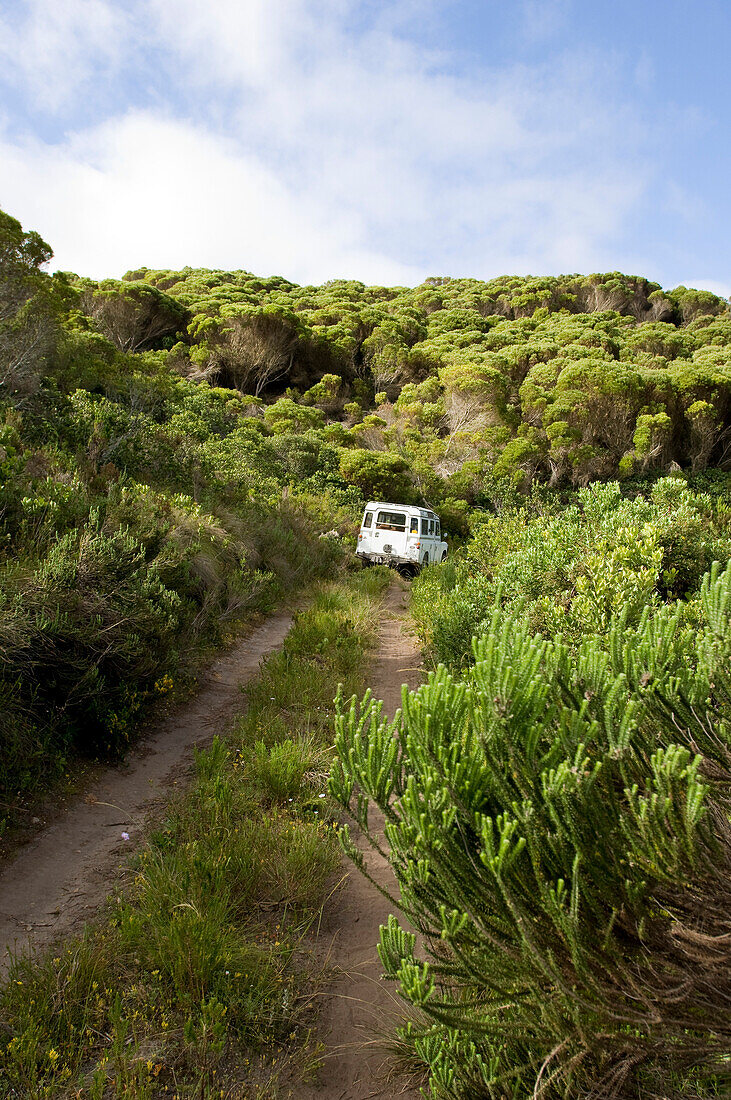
(360, 1009)
(60, 879)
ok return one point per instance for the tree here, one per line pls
(651, 443)
(28, 324)
(326, 394)
(628, 294)
(247, 348)
(379, 476)
(704, 432)
(476, 397)
(133, 315)
(692, 303)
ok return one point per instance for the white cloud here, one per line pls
(142, 190)
(317, 151)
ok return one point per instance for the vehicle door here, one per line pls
(413, 539)
(390, 532)
(366, 542)
(440, 548)
(427, 540)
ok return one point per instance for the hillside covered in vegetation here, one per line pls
(556, 379)
(179, 448)
(173, 444)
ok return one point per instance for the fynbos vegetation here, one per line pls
(178, 448)
(557, 815)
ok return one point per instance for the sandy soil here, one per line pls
(361, 1010)
(60, 879)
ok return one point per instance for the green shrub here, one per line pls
(576, 566)
(558, 825)
(112, 606)
(379, 476)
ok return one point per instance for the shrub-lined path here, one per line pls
(59, 880)
(362, 1010)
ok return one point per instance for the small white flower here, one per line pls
(125, 836)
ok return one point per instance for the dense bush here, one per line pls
(576, 565)
(560, 379)
(91, 633)
(558, 825)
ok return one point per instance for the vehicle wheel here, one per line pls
(425, 559)
(444, 556)
(408, 572)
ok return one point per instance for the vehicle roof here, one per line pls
(408, 508)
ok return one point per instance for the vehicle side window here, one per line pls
(425, 527)
(368, 520)
(431, 526)
(439, 531)
(414, 525)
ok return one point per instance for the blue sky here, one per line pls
(384, 141)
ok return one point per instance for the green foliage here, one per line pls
(576, 566)
(133, 316)
(325, 394)
(379, 475)
(556, 379)
(222, 398)
(29, 305)
(110, 585)
(114, 607)
(285, 415)
(558, 826)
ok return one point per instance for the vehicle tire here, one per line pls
(425, 560)
(408, 572)
(444, 556)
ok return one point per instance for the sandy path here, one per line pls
(59, 880)
(361, 1009)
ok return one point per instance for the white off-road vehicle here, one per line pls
(399, 535)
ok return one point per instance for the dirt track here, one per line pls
(59, 880)
(361, 1009)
